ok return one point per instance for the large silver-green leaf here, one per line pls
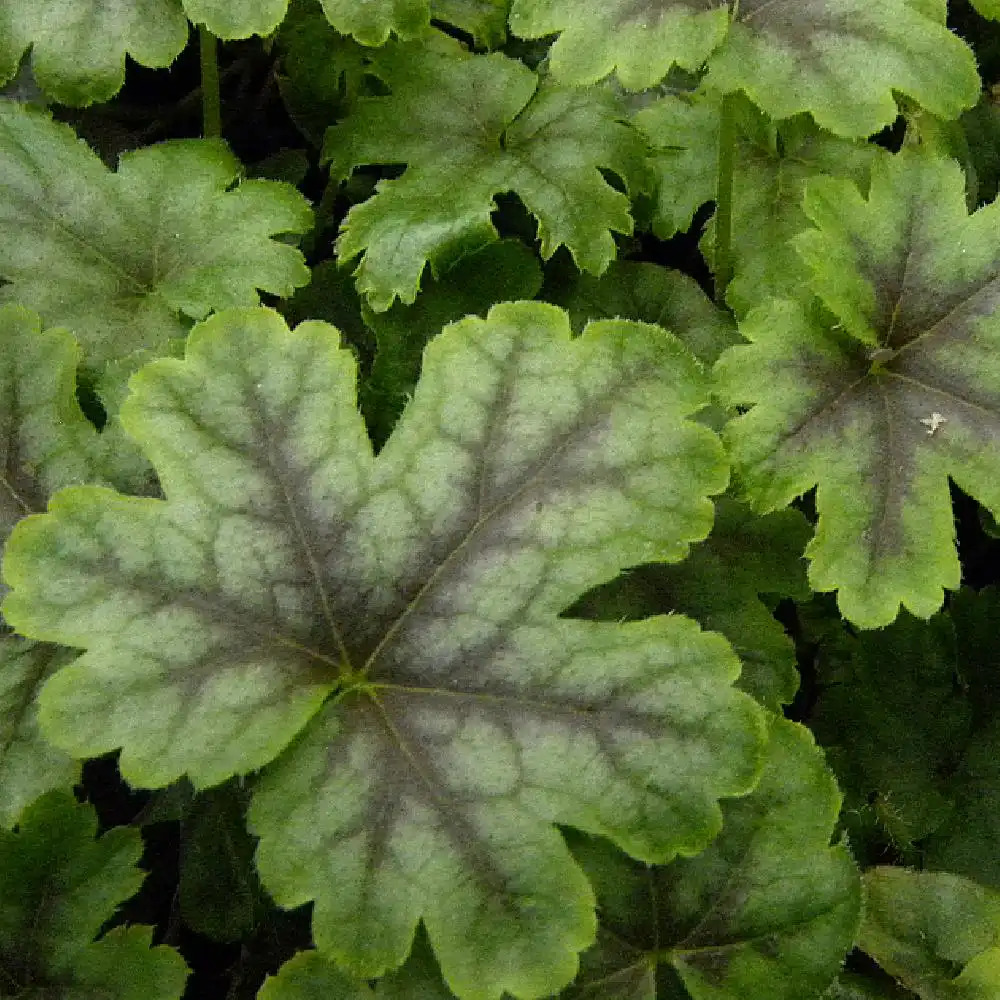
(422, 590)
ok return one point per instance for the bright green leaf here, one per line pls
(880, 419)
(29, 764)
(471, 128)
(121, 258)
(237, 18)
(310, 976)
(78, 47)
(372, 21)
(840, 60)
(923, 927)
(58, 885)
(769, 909)
(988, 8)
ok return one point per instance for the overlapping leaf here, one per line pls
(768, 910)
(59, 885)
(841, 60)
(470, 128)
(938, 934)
(425, 587)
(122, 258)
(772, 166)
(880, 407)
(29, 764)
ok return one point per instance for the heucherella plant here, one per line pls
(435, 593)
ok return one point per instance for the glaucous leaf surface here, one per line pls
(769, 909)
(29, 764)
(840, 60)
(469, 128)
(58, 885)
(773, 163)
(938, 934)
(423, 587)
(124, 258)
(884, 396)
(719, 585)
(78, 47)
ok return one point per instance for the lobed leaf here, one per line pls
(59, 885)
(938, 934)
(840, 60)
(767, 910)
(372, 22)
(124, 258)
(422, 589)
(470, 128)
(880, 408)
(78, 47)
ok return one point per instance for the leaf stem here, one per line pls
(724, 198)
(211, 101)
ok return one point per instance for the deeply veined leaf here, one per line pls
(29, 764)
(470, 128)
(936, 933)
(769, 909)
(59, 885)
(882, 406)
(78, 47)
(424, 587)
(840, 60)
(123, 258)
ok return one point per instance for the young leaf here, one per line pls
(121, 258)
(470, 128)
(59, 885)
(840, 60)
(29, 764)
(923, 927)
(78, 47)
(769, 909)
(881, 408)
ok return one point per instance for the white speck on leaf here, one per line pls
(933, 422)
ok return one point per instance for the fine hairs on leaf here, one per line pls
(498, 500)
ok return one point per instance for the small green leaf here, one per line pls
(924, 927)
(58, 885)
(470, 128)
(78, 47)
(880, 408)
(310, 976)
(122, 258)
